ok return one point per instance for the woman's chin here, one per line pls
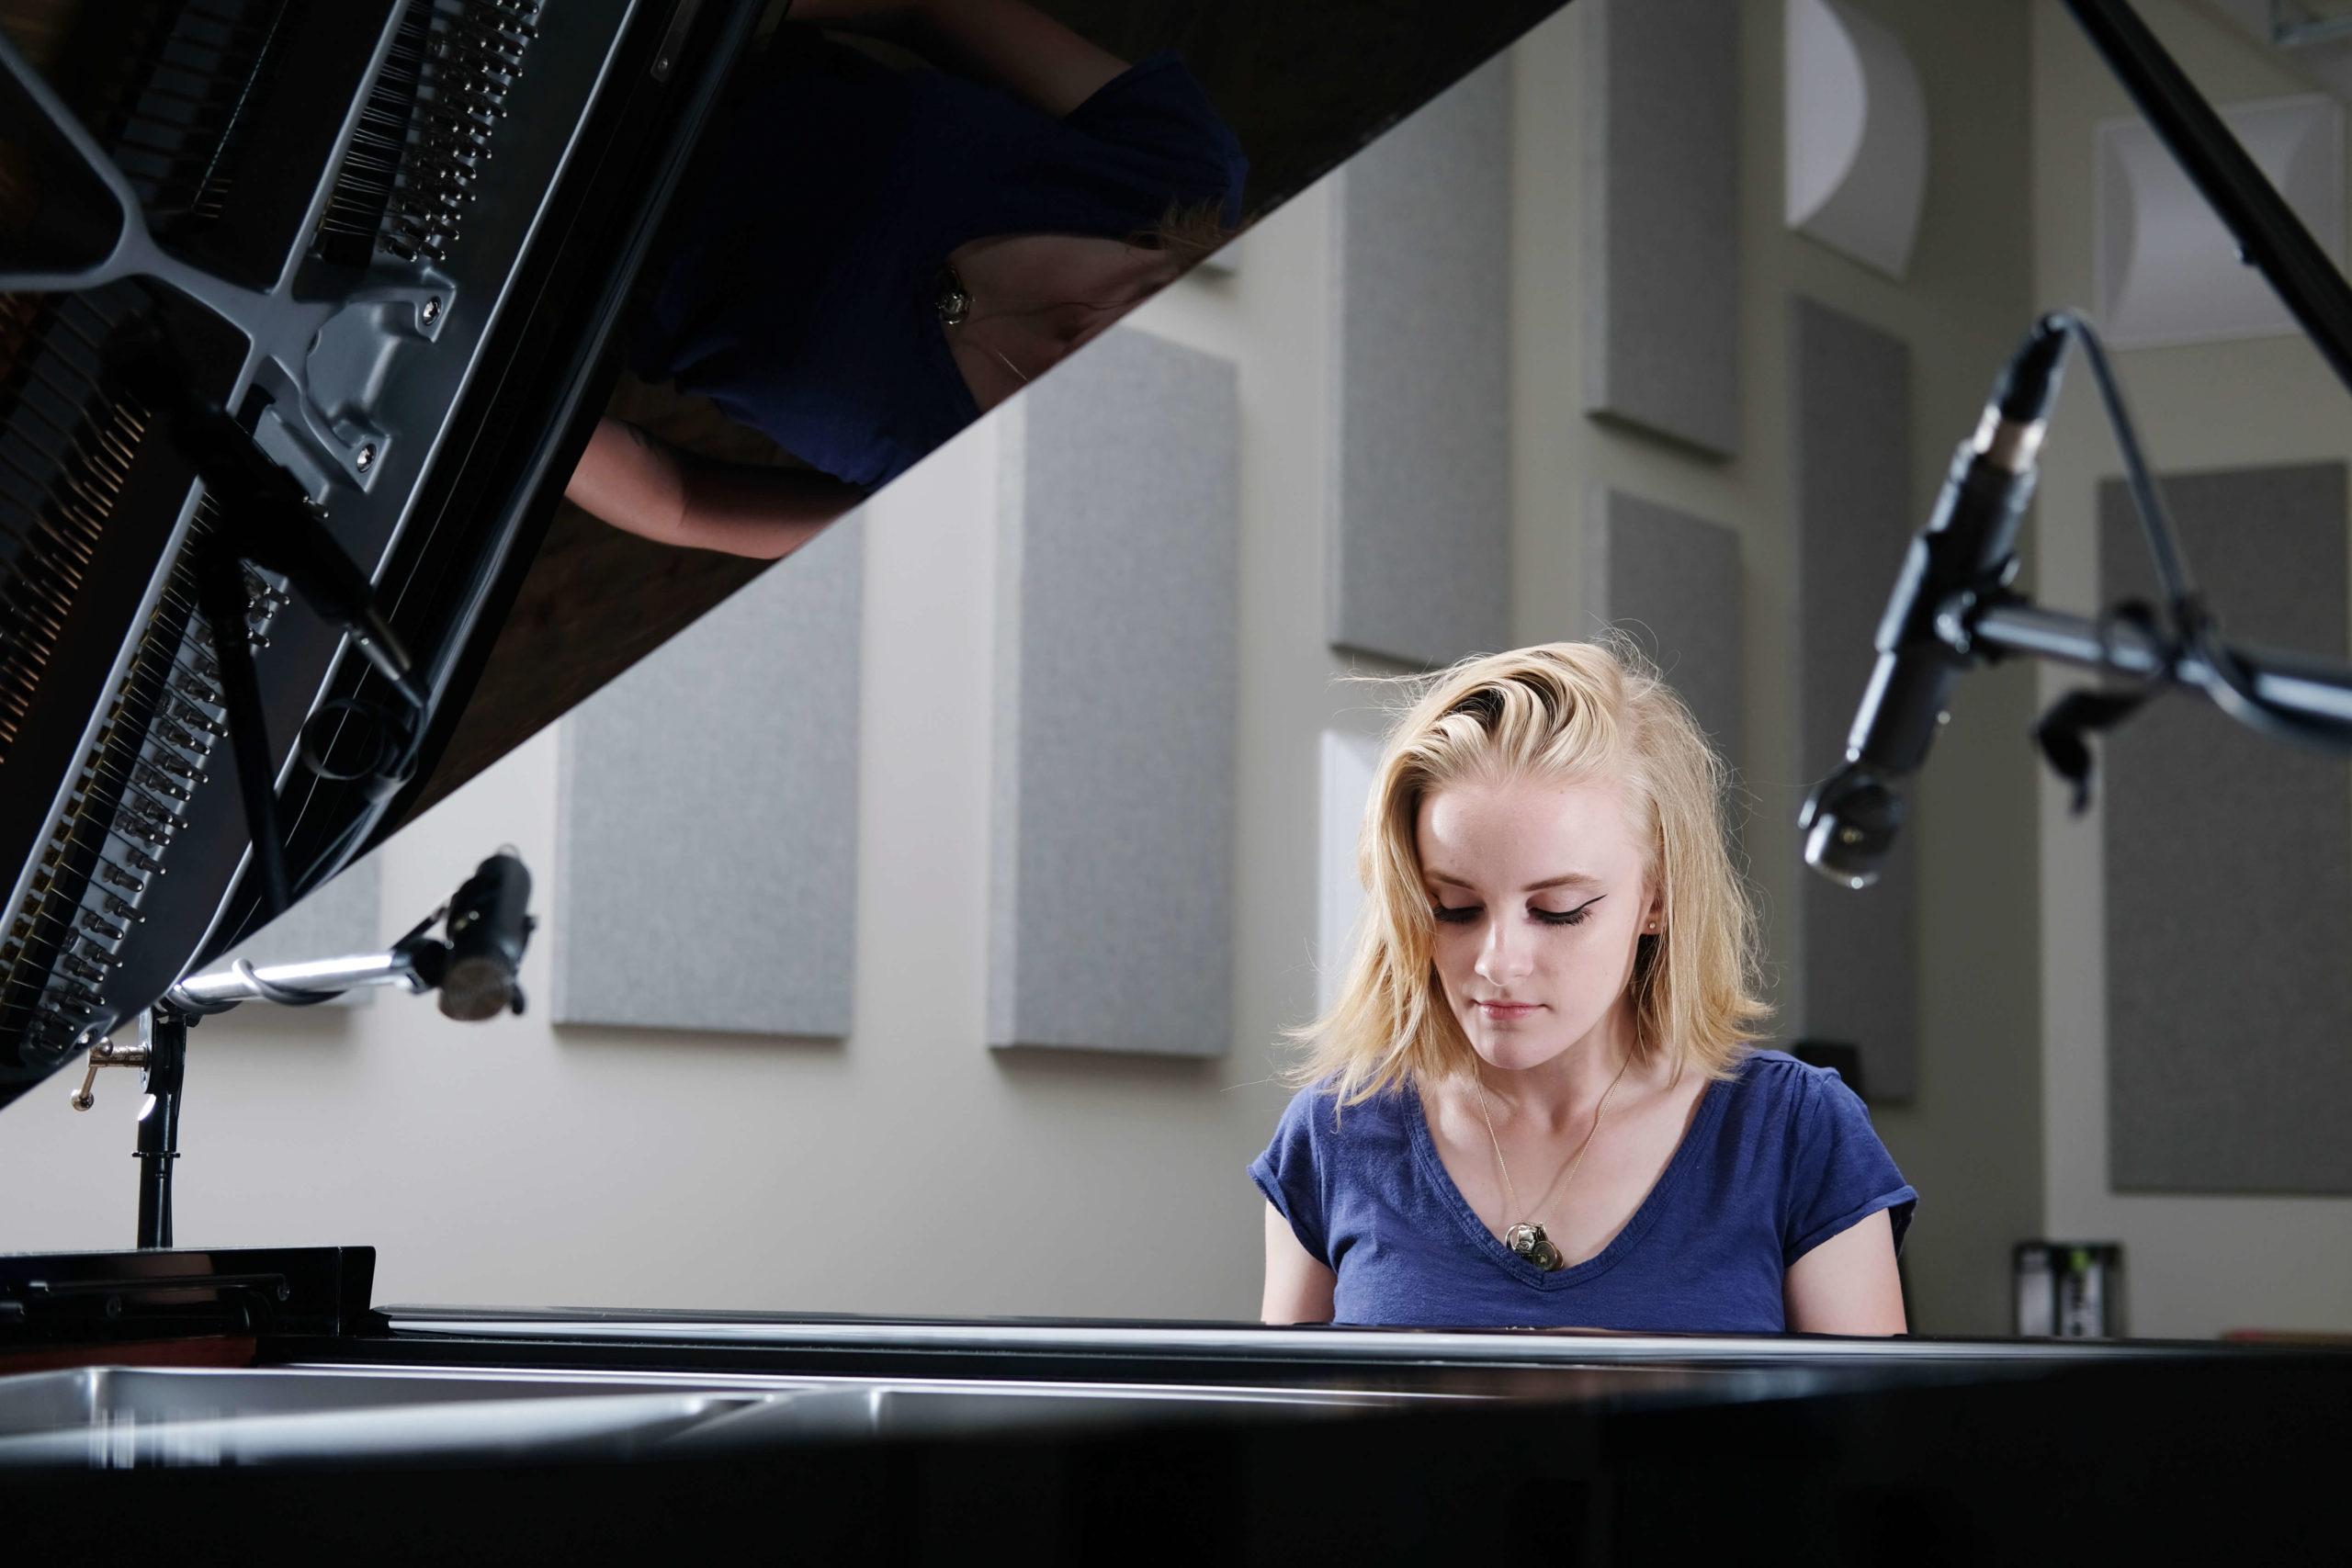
(1511, 1049)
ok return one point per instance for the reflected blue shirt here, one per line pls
(800, 296)
(1776, 1161)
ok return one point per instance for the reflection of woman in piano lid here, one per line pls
(881, 254)
(1535, 1101)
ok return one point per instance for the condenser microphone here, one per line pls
(1967, 551)
(488, 926)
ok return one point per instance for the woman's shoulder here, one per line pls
(1159, 118)
(1797, 1115)
(1157, 86)
(1325, 1150)
(1321, 1113)
(1772, 1083)
(1805, 1134)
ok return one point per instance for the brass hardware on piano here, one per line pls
(106, 1054)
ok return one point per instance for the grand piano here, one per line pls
(268, 356)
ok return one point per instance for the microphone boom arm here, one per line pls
(413, 966)
(488, 923)
(2294, 683)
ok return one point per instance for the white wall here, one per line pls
(2196, 1265)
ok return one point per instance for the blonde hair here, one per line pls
(1562, 710)
(1189, 233)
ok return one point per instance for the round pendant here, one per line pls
(950, 298)
(1529, 1241)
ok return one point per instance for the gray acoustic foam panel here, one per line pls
(706, 817)
(2229, 866)
(338, 921)
(1661, 217)
(1672, 583)
(1111, 918)
(1420, 521)
(1850, 420)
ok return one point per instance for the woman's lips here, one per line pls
(1503, 1012)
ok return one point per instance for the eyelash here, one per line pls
(1575, 917)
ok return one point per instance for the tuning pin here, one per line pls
(130, 825)
(152, 777)
(259, 588)
(180, 738)
(195, 687)
(196, 718)
(479, 90)
(500, 35)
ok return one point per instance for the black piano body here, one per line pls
(212, 1406)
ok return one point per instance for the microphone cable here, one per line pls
(2193, 629)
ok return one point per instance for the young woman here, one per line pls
(879, 255)
(1535, 1101)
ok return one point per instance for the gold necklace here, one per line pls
(1000, 359)
(1527, 1238)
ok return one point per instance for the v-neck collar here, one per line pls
(1490, 1246)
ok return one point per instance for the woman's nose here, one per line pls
(1503, 956)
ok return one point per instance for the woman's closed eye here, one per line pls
(1454, 915)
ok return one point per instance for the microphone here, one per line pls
(1967, 552)
(489, 926)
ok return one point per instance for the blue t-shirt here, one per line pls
(1775, 1162)
(802, 299)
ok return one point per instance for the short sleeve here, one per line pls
(1158, 123)
(1840, 1173)
(1291, 1176)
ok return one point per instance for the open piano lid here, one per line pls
(267, 216)
(250, 213)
